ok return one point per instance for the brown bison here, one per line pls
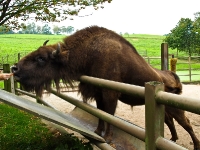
(101, 53)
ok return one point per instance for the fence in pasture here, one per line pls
(11, 58)
(190, 72)
(191, 68)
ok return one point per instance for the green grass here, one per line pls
(15, 43)
(184, 75)
(22, 131)
(146, 45)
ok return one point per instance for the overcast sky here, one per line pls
(138, 16)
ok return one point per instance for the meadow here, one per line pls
(15, 43)
(19, 43)
(146, 45)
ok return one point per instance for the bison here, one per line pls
(98, 52)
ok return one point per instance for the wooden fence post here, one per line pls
(190, 72)
(7, 83)
(154, 115)
(10, 84)
(164, 56)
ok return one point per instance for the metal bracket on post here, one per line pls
(154, 115)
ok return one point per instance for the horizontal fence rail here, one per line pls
(119, 123)
(112, 85)
(178, 101)
(39, 100)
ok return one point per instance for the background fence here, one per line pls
(188, 68)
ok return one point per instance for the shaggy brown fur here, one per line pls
(98, 52)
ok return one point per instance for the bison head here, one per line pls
(37, 70)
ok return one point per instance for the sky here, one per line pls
(156, 17)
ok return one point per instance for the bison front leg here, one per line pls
(107, 103)
(101, 127)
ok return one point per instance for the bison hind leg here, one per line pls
(185, 123)
(179, 116)
(170, 123)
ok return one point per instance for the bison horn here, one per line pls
(56, 52)
(45, 42)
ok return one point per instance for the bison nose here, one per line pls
(14, 69)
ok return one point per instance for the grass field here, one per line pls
(15, 43)
(146, 45)
(184, 75)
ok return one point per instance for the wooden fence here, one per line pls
(192, 71)
(189, 71)
(155, 98)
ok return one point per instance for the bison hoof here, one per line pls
(197, 147)
(174, 139)
(108, 139)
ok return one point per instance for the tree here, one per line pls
(38, 29)
(69, 29)
(56, 29)
(3, 30)
(46, 29)
(63, 29)
(196, 29)
(30, 28)
(183, 37)
(11, 11)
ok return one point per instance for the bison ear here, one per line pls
(57, 51)
(45, 42)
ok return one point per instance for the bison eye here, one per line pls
(41, 60)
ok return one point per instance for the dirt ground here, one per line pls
(137, 115)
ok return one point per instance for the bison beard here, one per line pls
(98, 52)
